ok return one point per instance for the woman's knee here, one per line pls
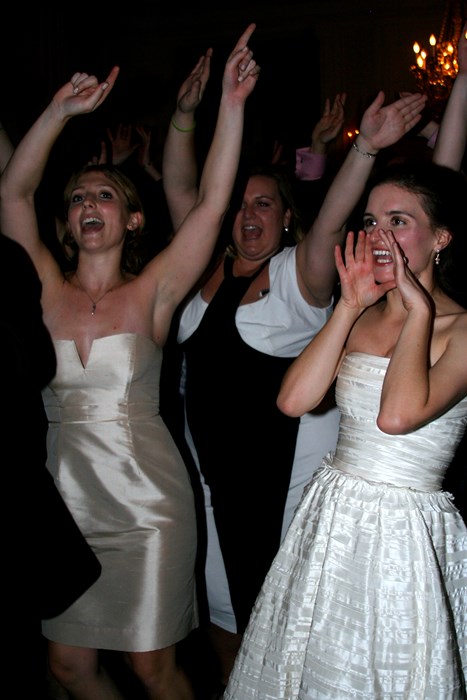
(69, 664)
(154, 667)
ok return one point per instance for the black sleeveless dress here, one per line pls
(245, 445)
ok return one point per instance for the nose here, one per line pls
(375, 233)
(89, 200)
(248, 211)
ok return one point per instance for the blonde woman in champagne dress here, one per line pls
(110, 452)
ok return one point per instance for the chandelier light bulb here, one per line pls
(435, 70)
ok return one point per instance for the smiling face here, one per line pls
(98, 211)
(395, 209)
(259, 224)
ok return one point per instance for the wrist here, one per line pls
(318, 148)
(185, 121)
(363, 148)
(348, 312)
(309, 166)
(181, 127)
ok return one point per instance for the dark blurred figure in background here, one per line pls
(48, 563)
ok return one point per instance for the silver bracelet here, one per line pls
(367, 154)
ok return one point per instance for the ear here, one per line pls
(443, 238)
(287, 218)
(134, 221)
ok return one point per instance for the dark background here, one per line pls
(307, 51)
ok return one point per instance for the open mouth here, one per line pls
(382, 257)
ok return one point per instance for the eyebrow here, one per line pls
(98, 185)
(392, 212)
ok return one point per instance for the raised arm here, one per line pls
(421, 381)
(179, 166)
(186, 257)
(23, 174)
(452, 136)
(6, 148)
(381, 126)
(310, 161)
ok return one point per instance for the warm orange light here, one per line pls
(436, 68)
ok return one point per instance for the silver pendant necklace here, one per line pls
(94, 302)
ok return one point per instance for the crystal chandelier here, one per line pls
(436, 67)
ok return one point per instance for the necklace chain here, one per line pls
(93, 301)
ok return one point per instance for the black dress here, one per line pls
(245, 447)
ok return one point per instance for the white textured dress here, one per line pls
(367, 595)
(122, 477)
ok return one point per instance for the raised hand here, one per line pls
(241, 71)
(83, 93)
(412, 292)
(277, 153)
(144, 149)
(358, 287)
(101, 159)
(121, 143)
(383, 126)
(331, 122)
(192, 89)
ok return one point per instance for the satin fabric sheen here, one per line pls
(367, 595)
(125, 483)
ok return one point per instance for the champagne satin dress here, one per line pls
(121, 475)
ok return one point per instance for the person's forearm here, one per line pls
(452, 136)
(6, 148)
(179, 167)
(346, 188)
(405, 390)
(24, 171)
(309, 377)
(220, 168)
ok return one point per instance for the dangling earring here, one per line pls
(286, 229)
(437, 258)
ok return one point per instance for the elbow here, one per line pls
(394, 423)
(287, 405)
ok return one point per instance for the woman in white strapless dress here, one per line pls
(110, 452)
(367, 596)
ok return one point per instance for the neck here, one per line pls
(244, 267)
(96, 294)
